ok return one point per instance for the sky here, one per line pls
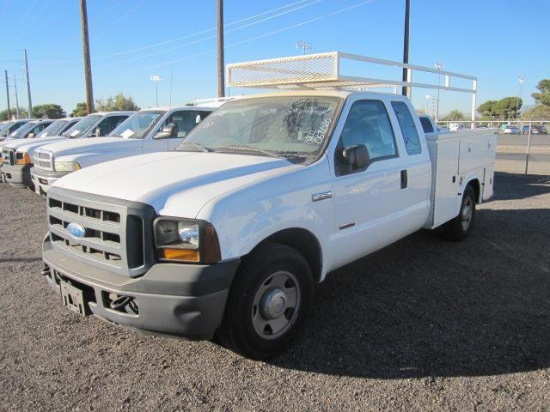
(497, 41)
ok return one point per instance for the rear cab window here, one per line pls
(408, 127)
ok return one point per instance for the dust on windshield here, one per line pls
(293, 127)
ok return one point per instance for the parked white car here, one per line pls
(146, 131)
(17, 155)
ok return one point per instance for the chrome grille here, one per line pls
(114, 234)
(43, 159)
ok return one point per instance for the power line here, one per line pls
(119, 16)
(251, 39)
(25, 23)
(210, 51)
(200, 33)
(239, 43)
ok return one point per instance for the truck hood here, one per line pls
(95, 144)
(28, 145)
(157, 178)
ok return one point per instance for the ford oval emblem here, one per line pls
(76, 230)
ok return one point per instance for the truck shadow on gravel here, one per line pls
(424, 307)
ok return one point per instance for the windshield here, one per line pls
(4, 128)
(82, 126)
(23, 130)
(53, 129)
(292, 127)
(138, 125)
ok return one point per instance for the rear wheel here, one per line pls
(268, 303)
(460, 227)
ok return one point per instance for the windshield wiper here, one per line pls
(195, 147)
(249, 149)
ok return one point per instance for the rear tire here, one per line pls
(460, 227)
(268, 303)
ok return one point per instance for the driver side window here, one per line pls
(368, 124)
(184, 121)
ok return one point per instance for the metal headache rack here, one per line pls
(326, 71)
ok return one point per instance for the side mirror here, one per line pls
(97, 132)
(31, 135)
(169, 130)
(357, 156)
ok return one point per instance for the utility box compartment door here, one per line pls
(476, 152)
(445, 186)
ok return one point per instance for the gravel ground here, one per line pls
(423, 325)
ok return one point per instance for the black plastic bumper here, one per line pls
(179, 299)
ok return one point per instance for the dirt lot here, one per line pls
(424, 325)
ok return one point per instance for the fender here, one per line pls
(282, 203)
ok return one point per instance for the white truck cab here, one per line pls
(228, 233)
(146, 131)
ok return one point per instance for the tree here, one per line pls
(489, 109)
(13, 114)
(50, 111)
(540, 111)
(509, 107)
(544, 96)
(80, 110)
(118, 102)
(454, 116)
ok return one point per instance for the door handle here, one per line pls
(404, 179)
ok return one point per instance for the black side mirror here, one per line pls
(356, 156)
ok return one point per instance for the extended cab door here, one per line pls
(389, 197)
(172, 131)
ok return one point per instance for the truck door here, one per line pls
(387, 199)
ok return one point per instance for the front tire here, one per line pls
(268, 303)
(460, 227)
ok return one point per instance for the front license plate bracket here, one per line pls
(73, 298)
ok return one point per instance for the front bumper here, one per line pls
(44, 179)
(17, 175)
(178, 299)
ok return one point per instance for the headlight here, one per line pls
(186, 240)
(66, 166)
(22, 158)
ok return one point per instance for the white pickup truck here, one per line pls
(17, 155)
(146, 131)
(228, 233)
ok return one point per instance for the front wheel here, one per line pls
(460, 227)
(268, 303)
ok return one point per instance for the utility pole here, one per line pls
(221, 71)
(8, 94)
(86, 51)
(28, 84)
(405, 90)
(16, 97)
